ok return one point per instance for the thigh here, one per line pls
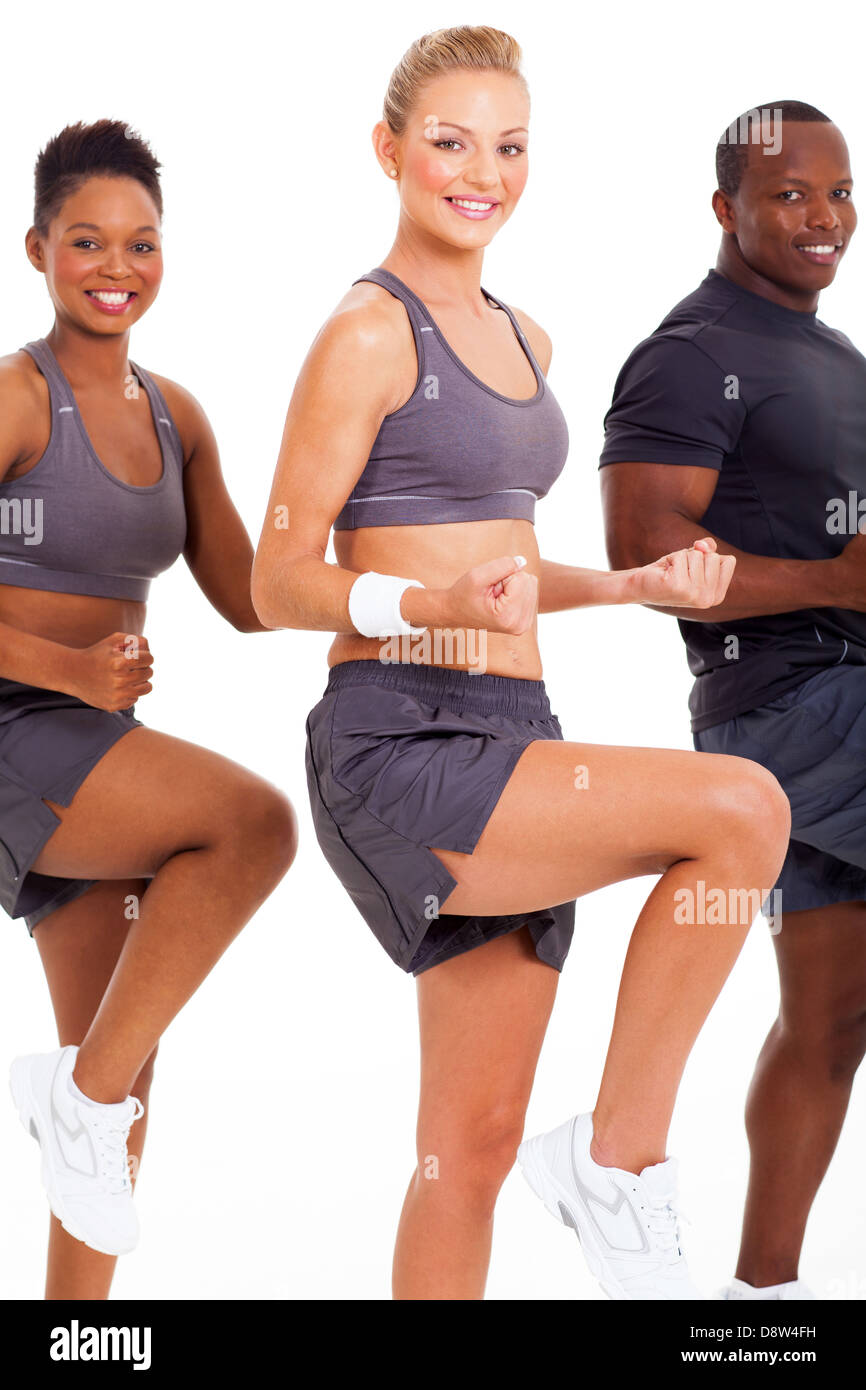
(821, 954)
(575, 817)
(483, 1016)
(813, 738)
(149, 797)
(79, 944)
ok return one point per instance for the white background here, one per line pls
(282, 1119)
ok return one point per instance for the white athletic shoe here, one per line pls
(626, 1224)
(738, 1288)
(84, 1162)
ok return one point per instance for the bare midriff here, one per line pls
(438, 555)
(71, 620)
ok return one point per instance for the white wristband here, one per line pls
(374, 605)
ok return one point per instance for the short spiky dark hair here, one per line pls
(80, 152)
(732, 148)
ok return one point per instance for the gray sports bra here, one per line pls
(456, 450)
(71, 526)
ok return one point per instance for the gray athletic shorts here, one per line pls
(813, 738)
(48, 744)
(402, 757)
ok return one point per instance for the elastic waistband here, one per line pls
(16, 699)
(481, 693)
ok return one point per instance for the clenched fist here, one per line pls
(112, 673)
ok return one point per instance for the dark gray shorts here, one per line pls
(402, 757)
(813, 738)
(48, 744)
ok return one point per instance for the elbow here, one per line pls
(265, 614)
(263, 606)
(626, 552)
(250, 622)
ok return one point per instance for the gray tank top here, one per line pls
(456, 450)
(69, 525)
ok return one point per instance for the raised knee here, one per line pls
(751, 799)
(265, 822)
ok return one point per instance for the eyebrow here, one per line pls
(464, 130)
(790, 178)
(93, 227)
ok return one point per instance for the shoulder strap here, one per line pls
(59, 390)
(162, 415)
(415, 307)
(515, 325)
(419, 318)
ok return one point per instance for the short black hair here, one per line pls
(81, 152)
(732, 147)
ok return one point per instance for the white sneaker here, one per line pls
(84, 1162)
(738, 1288)
(626, 1224)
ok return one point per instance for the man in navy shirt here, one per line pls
(743, 417)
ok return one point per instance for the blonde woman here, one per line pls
(422, 429)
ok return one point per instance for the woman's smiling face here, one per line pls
(462, 159)
(102, 254)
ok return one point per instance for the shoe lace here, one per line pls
(663, 1217)
(110, 1135)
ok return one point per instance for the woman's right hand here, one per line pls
(499, 595)
(113, 673)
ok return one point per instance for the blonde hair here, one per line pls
(469, 46)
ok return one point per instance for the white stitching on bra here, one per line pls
(428, 497)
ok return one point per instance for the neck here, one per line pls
(441, 275)
(89, 357)
(731, 264)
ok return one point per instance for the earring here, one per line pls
(393, 173)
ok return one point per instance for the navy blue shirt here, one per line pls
(775, 402)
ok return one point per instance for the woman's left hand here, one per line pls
(694, 578)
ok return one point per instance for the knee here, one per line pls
(265, 828)
(841, 1045)
(477, 1158)
(828, 1040)
(751, 802)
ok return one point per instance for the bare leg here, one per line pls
(216, 839)
(79, 945)
(690, 817)
(802, 1083)
(483, 1017)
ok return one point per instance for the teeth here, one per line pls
(111, 296)
(819, 250)
(472, 206)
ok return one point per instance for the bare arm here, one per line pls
(341, 396)
(217, 550)
(567, 586)
(653, 507)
